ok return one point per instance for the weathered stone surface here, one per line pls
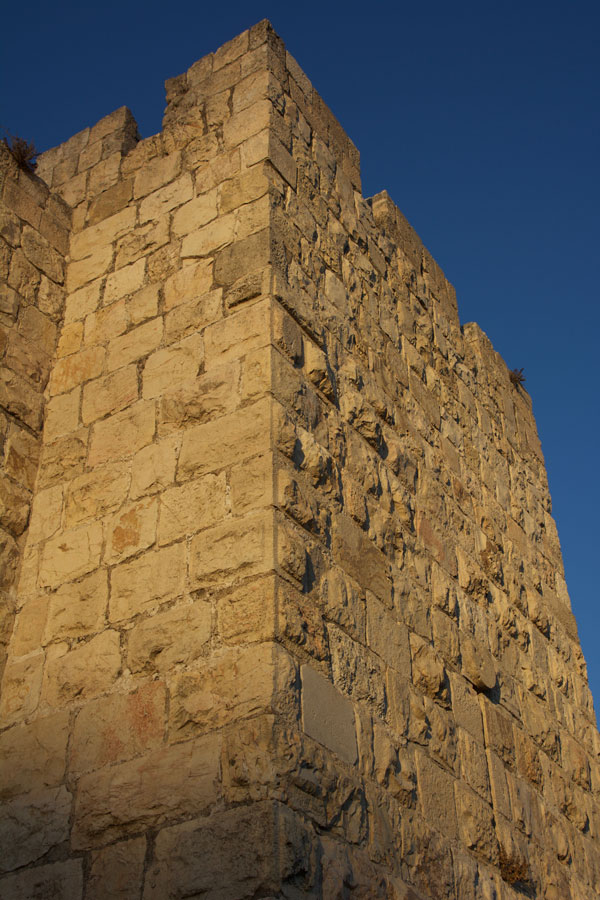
(57, 881)
(117, 727)
(78, 608)
(117, 871)
(123, 434)
(176, 636)
(33, 757)
(169, 782)
(132, 529)
(71, 554)
(328, 716)
(141, 584)
(32, 825)
(88, 670)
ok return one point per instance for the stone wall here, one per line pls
(292, 619)
(34, 234)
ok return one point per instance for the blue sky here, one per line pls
(479, 118)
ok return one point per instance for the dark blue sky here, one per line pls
(479, 118)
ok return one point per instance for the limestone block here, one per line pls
(33, 757)
(327, 715)
(238, 334)
(156, 173)
(63, 458)
(110, 394)
(29, 626)
(191, 317)
(70, 554)
(477, 663)
(142, 241)
(39, 329)
(83, 271)
(229, 439)
(14, 506)
(243, 682)
(247, 613)
(168, 368)
(387, 637)
(117, 871)
(360, 558)
(168, 638)
(82, 302)
(192, 507)
(209, 239)
(83, 673)
(429, 675)
(60, 881)
(247, 122)
(96, 493)
(251, 484)
(21, 686)
(498, 785)
(87, 241)
(161, 202)
(124, 281)
(195, 214)
(20, 399)
(188, 283)
(167, 783)
(436, 795)
(131, 529)
(78, 608)
(138, 586)
(39, 252)
(136, 344)
(144, 304)
(498, 730)
(110, 201)
(153, 467)
(32, 825)
(118, 727)
(62, 415)
(28, 360)
(74, 370)
(253, 249)
(123, 434)
(473, 764)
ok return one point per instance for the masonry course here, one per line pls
(283, 605)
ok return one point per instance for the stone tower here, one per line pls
(284, 612)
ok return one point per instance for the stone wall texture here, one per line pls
(283, 606)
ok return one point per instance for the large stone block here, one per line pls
(327, 715)
(124, 799)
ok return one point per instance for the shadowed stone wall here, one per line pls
(291, 613)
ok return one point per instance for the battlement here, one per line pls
(284, 610)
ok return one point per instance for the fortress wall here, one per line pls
(146, 601)
(433, 594)
(34, 231)
(292, 615)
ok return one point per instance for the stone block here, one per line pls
(173, 366)
(124, 799)
(236, 549)
(118, 727)
(156, 173)
(78, 608)
(70, 554)
(190, 508)
(131, 529)
(59, 881)
(436, 795)
(136, 344)
(169, 638)
(188, 283)
(63, 458)
(62, 415)
(117, 871)
(357, 555)
(108, 395)
(123, 434)
(247, 613)
(195, 214)
(226, 440)
(96, 493)
(32, 825)
(153, 467)
(162, 201)
(138, 586)
(387, 637)
(188, 318)
(83, 673)
(74, 370)
(327, 715)
(238, 334)
(239, 684)
(21, 686)
(33, 757)
(29, 626)
(124, 281)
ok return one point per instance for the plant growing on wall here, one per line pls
(23, 152)
(517, 377)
